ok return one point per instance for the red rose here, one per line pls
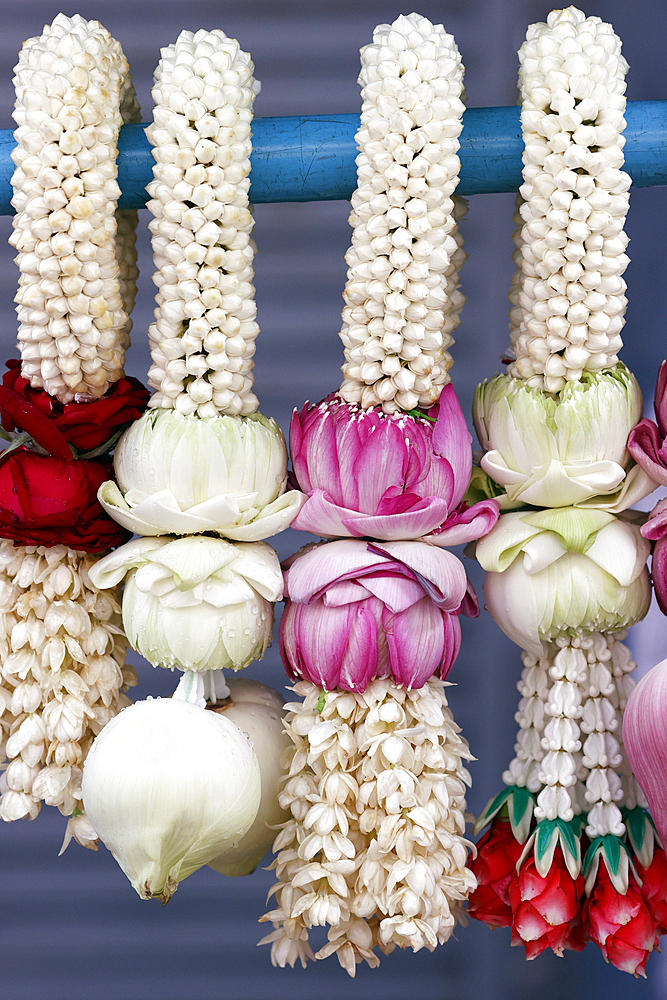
(545, 910)
(621, 925)
(84, 425)
(47, 501)
(494, 868)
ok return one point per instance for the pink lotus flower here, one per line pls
(357, 611)
(621, 925)
(545, 909)
(646, 442)
(645, 741)
(370, 474)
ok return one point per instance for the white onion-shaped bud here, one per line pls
(564, 572)
(196, 603)
(181, 475)
(258, 711)
(168, 786)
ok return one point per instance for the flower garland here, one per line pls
(571, 837)
(202, 465)
(375, 846)
(72, 87)
(62, 672)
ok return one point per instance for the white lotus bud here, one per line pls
(168, 786)
(565, 450)
(258, 711)
(568, 571)
(181, 474)
(195, 603)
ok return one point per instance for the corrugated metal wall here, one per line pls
(72, 927)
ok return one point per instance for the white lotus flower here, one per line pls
(563, 450)
(183, 475)
(195, 603)
(560, 571)
(167, 786)
(258, 711)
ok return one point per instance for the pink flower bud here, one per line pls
(393, 476)
(357, 611)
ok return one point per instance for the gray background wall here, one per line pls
(73, 927)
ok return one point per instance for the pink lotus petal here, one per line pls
(322, 516)
(313, 572)
(394, 501)
(470, 604)
(656, 526)
(452, 643)
(351, 431)
(644, 444)
(645, 739)
(439, 572)
(452, 440)
(397, 592)
(361, 656)
(346, 592)
(416, 639)
(380, 463)
(660, 399)
(659, 573)
(313, 641)
(439, 481)
(467, 525)
(424, 517)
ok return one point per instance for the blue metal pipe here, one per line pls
(311, 158)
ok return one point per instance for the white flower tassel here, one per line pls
(69, 86)
(524, 769)
(375, 847)
(62, 675)
(571, 249)
(401, 297)
(610, 662)
(561, 742)
(203, 338)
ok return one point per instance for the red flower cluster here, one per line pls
(622, 926)
(52, 499)
(545, 910)
(494, 867)
(84, 425)
(47, 501)
(553, 911)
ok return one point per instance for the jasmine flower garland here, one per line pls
(560, 581)
(375, 849)
(389, 763)
(203, 338)
(63, 673)
(571, 250)
(63, 676)
(402, 302)
(200, 460)
(72, 88)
